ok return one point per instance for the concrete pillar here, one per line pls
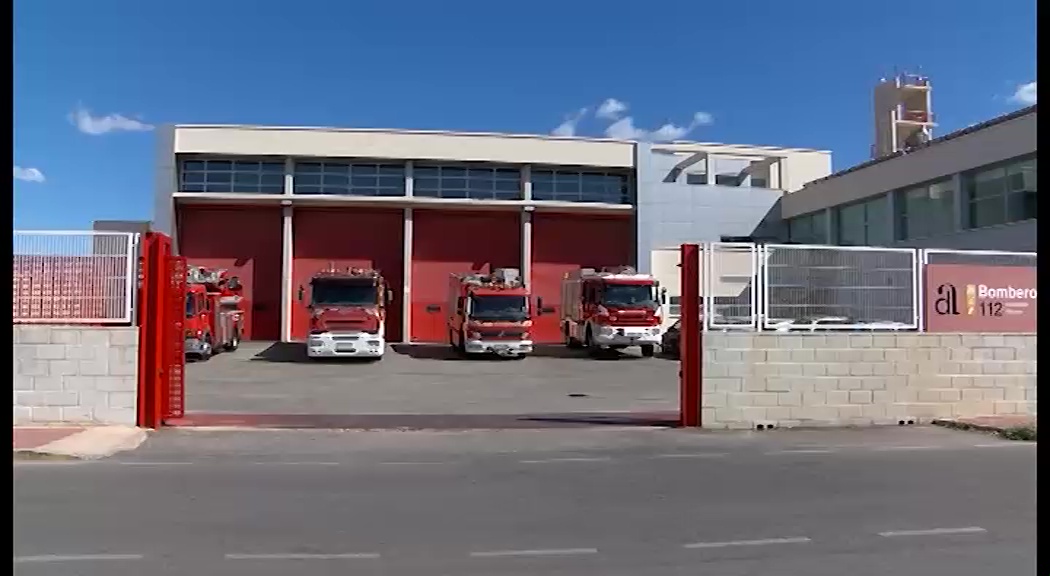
(287, 263)
(406, 274)
(406, 255)
(526, 226)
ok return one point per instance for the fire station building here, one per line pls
(274, 205)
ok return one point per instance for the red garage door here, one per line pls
(564, 242)
(362, 238)
(247, 242)
(447, 242)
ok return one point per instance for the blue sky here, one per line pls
(92, 78)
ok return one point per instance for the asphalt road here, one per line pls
(536, 502)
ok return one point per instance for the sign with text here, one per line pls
(975, 298)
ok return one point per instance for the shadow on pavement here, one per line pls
(445, 352)
(295, 352)
(428, 421)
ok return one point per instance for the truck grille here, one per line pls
(345, 326)
(632, 321)
(502, 334)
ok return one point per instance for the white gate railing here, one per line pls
(728, 275)
(74, 277)
(839, 287)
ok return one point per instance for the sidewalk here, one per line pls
(996, 424)
(75, 441)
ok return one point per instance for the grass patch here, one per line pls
(1022, 433)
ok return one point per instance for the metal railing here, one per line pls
(74, 277)
(839, 287)
(728, 271)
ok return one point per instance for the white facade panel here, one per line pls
(313, 142)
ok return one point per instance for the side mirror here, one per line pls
(539, 306)
(389, 295)
(234, 283)
(663, 296)
(301, 292)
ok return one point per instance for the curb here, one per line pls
(968, 426)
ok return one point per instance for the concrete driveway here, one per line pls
(268, 378)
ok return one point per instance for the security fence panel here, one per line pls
(74, 277)
(839, 287)
(729, 285)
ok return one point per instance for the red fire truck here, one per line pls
(347, 313)
(214, 313)
(489, 314)
(611, 309)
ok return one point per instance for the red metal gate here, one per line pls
(161, 315)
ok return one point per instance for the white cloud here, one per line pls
(611, 109)
(28, 174)
(568, 127)
(95, 125)
(1025, 94)
(624, 129)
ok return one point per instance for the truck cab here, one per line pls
(347, 314)
(490, 314)
(612, 309)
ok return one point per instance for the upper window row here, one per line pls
(478, 182)
(1000, 194)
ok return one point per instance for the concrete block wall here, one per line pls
(75, 374)
(864, 379)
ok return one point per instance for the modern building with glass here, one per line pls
(274, 205)
(973, 189)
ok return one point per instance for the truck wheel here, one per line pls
(648, 350)
(592, 348)
(235, 341)
(207, 350)
(569, 340)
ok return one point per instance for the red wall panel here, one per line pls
(446, 242)
(364, 238)
(565, 242)
(247, 242)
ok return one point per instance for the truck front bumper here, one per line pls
(629, 336)
(356, 345)
(500, 347)
(196, 347)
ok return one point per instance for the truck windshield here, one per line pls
(634, 295)
(343, 293)
(497, 307)
(190, 308)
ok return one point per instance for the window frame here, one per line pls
(1002, 199)
(219, 174)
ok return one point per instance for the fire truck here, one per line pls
(214, 313)
(347, 313)
(612, 308)
(489, 314)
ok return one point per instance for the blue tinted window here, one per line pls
(477, 182)
(341, 178)
(225, 176)
(580, 186)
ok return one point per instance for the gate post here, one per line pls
(691, 369)
(161, 313)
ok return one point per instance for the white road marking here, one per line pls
(559, 460)
(296, 556)
(144, 463)
(76, 558)
(904, 448)
(1005, 444)
(538, 552)
(696, 455)
(296, 463)
(409, 463)
(763, 542)
(933, 532)
(801, 451)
